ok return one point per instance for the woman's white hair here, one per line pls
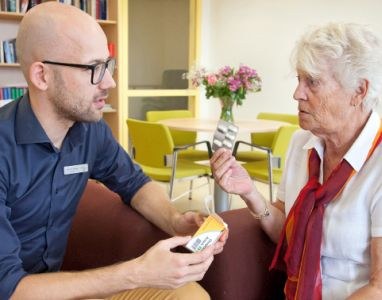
(352, 51)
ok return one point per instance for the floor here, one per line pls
(200, 199)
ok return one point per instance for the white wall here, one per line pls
(261, 34)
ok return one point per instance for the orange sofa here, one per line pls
(106, 231)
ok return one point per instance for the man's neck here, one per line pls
(54, 126)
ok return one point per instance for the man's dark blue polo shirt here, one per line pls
(40, 187)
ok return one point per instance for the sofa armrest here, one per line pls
(106, 231)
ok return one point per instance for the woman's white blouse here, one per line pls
(350, 220)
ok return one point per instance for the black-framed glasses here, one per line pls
(98, 69)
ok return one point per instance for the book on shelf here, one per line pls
(9, 5)
(12, 7)
(96, 8)
(17, 6)
(103, 10)
(32, 3)
(12, 92)
(111, 47)
(2, 59)
(9, 51)
(24, 6)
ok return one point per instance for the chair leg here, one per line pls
(270, 176)
(270, 191)
(171, 188)
(209, 184)
(174, 160)
(190, 193)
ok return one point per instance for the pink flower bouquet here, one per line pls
(227, 83)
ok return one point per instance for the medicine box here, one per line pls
(208, 233)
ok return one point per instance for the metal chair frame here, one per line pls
(175, 159)
(171, 159)
(272, 161)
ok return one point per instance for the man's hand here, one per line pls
(189, 222)
(161, 268)
(219, 245)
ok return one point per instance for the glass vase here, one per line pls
(226, 113)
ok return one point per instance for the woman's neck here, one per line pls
(337, 144)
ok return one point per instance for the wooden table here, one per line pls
(221, 201)
(191, 124)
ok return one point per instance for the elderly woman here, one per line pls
(327, 220)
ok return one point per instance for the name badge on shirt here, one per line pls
(82, 168)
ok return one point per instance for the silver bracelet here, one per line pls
(264, 214)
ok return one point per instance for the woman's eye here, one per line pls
(313, 82)
(309, 81)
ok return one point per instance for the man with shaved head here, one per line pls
(52, 140)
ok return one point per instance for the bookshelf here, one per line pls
(10, 15)
(10, 74)
(8, 65)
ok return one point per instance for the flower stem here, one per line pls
(226, 109)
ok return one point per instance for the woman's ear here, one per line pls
(38, 75)
(360, 92)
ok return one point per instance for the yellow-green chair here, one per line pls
(271, 167)
(180, 137)
(289, 118)
(154, 150)
(264, 139)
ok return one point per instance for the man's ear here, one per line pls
(360, 92)
(38, 76)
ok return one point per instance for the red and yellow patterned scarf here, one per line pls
(300, 244)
